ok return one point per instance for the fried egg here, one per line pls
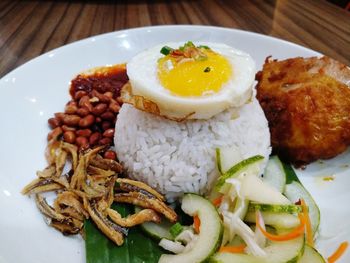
(199, 87)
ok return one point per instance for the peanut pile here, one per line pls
(89, 117)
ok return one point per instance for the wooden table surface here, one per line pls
(30, 28)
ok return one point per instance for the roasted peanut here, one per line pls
(59, 115)
(82, 142)
(110, 155)
(71, 109)
(109, 133)
(79, 94)
(114, 106)
(69, 136)
(54, 133)
(94, 138)
(54, 122)
(106, 125)
(71, 120)
(99, 109)
(101, 97)
(108, 94)
(87, 121)
(120, 100)
(108, 115)
(85, 102)
(67, 128)
(105, 141)
(82, 112)
(71, 103)
(84, 132)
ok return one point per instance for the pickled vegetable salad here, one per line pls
(247, 218)
(258, 219)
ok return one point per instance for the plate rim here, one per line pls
(157, 27)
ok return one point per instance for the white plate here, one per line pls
(33, 92)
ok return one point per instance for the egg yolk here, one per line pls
(191, 77)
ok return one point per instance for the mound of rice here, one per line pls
(174, 157)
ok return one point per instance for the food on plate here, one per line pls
(89, 117)
(88, 190)
(307, 104)
(178, 157)
(188, 161)
(185, 81)
(256, 228)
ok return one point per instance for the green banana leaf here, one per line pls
(137, 246)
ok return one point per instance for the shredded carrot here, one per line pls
(299, 230)
(217, 201)
(233, 249)
(339, 252)
(309, 236)
(196, 224)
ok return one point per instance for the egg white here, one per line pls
(143, 75)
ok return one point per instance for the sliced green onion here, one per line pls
(186, 45)
(176, 229)
(166, 50)
(205, 47)
(189, 44)
(207, 69)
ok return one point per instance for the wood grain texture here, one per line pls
(31, 28)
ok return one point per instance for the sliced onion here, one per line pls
(175, 247)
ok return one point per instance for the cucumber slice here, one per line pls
(154, 230)
(157, 231)
(294, 191)
(211, 230)
(254, 189)
(285, 251)
(291, 209)
(218, 160)
(277, 220)
(274, 174)
(231, 258)
(227, 157)
(311, 255)
(278, 252)
(249, 166)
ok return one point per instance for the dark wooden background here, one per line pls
(30, 28)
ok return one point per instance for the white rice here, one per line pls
(174, 157)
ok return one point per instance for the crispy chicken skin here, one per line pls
(307, 105)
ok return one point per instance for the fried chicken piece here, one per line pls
(307, 105)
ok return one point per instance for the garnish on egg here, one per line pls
(184, 71)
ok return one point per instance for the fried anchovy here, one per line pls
(73, 150)
(60, 161)
(106, 164)
(111, 230)
(79, 175)
(47, 172)
(145, 215)
(98, 172)
(128, 185)
(68, 203)
(47, 210)
(41, 185)
(67, 227)
(142, 200)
